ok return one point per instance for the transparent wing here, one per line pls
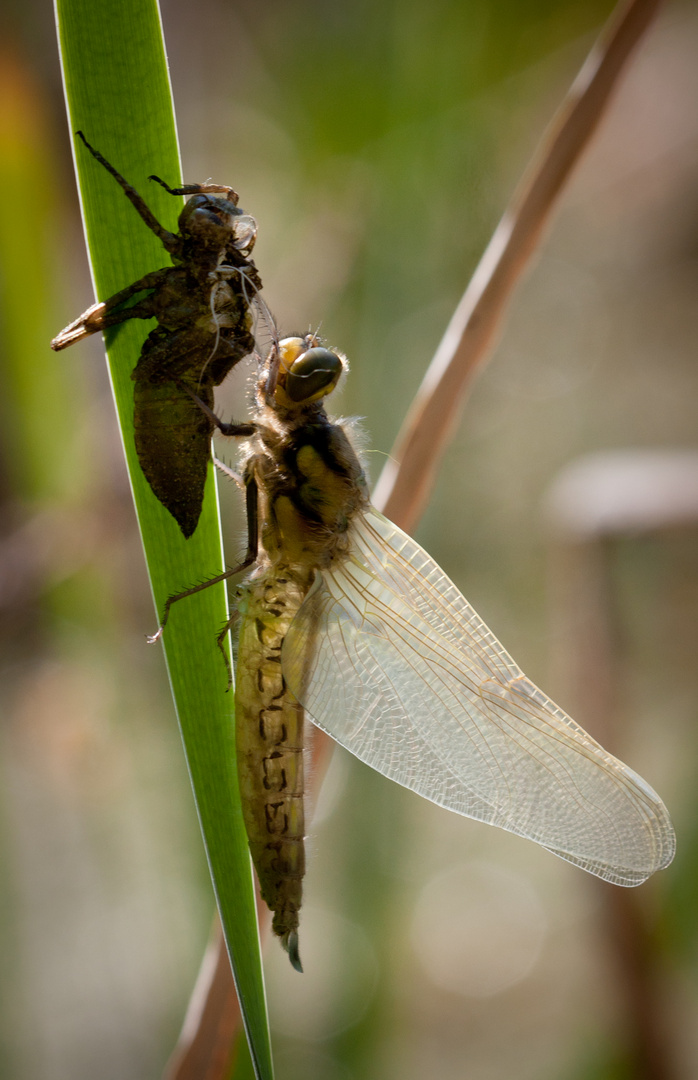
(389, 658)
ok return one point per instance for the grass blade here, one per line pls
(118, 93)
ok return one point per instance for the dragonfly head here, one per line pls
(307, 372)
(211, 224)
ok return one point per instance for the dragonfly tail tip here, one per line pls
(290, 943)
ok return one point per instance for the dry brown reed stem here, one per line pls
(408, 477)
(207, 1040)
(405, 484)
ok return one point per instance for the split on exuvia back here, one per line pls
(345, 619)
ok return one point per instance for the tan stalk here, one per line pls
(408, 477)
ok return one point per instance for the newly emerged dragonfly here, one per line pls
(202, 305)
(347, 619)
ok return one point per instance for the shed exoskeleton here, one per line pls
(205, 327)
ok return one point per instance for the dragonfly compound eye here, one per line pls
(204, 219)
(245, 233)
(313, 375)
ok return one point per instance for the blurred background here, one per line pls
(377, 145)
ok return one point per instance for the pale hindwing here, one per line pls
(389, 658)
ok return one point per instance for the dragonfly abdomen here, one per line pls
(269, 735)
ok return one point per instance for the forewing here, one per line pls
(389, 658)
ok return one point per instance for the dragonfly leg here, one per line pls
(168, 239)
(199, 189)
(101, 315)
(227, 471)
(220, 642)
(232, 430)
(249, 559)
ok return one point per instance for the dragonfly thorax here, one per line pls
(309, 478)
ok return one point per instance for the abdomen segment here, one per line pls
(269, 734)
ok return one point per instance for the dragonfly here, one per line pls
(202, 304)
(346, 620)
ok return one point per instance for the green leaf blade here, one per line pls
(118, 93)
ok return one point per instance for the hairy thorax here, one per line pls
(311, 485)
